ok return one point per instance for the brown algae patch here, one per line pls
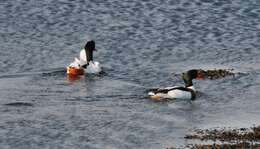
(233, 138)
(244, 145)
(218, 73)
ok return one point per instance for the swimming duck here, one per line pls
(85, 63)
(178, 92)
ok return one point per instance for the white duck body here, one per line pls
(93, 67)
(174, 92)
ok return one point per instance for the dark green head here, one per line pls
(90, 45)
(192, 74)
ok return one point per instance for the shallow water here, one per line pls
(141, 45)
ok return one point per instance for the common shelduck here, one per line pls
(85, 63)
(178, 92)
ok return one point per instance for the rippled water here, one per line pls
(141, 44)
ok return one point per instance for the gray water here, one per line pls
(141, 44)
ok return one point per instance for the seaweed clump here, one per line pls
(236, 138)
(252, 134)
(228, 146)
(218, 73)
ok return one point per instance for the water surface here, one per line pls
(141, 44)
